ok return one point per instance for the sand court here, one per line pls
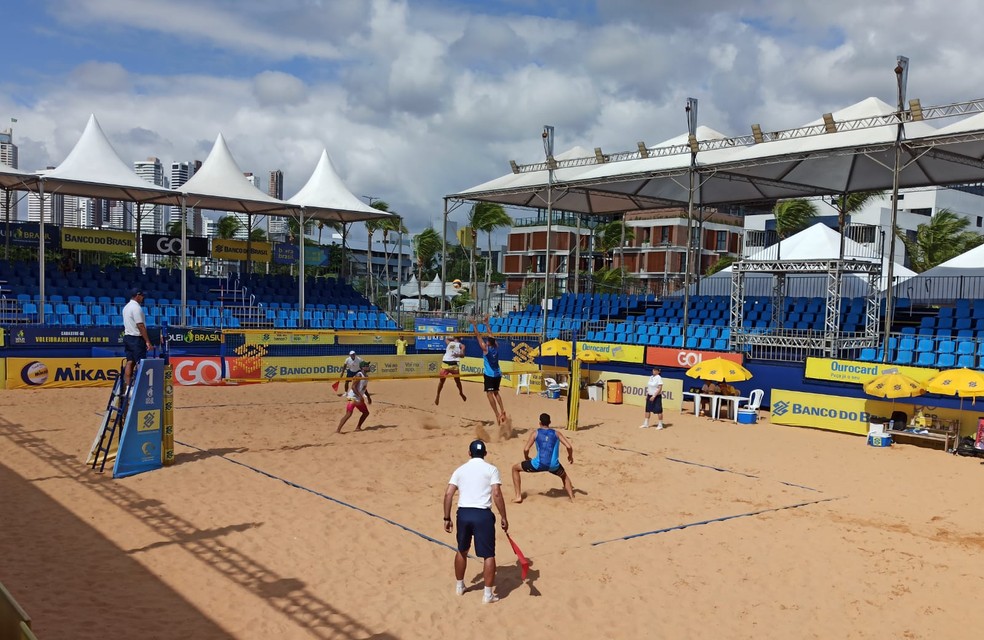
(271, 525)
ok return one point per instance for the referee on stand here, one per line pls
(478, 485)
(136, 342)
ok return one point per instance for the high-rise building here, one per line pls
(181, 172)
(150, 217)
(276, 225)
(8, 150)
(8, 156)
(59, 209)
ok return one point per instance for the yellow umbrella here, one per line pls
(965, 383)
(592, 356)
(553, 347)
(719, 370)
(893, 385)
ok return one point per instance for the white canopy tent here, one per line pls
(818, 242)
(958, 277)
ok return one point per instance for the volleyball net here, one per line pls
(298, 355)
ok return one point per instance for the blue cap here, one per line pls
(136, 291)
(477, 449)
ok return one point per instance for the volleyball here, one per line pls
(456, 283)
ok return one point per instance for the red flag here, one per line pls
(523, 561)
(335, 386)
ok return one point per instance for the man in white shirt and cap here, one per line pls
(478, 485)
(136, 341)
(351, 367)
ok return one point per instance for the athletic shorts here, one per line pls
(449, 368)
(354, 404)
(492, 383)
(134, 348)
(654, 406)
(350, 374)
(527, 466)
(478, 524)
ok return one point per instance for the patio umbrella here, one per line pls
(555, 347)
(719, 370)
(964, 383)
(892, 386)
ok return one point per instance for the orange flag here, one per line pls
(523, 561)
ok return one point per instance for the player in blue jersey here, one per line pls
(491, 373)
(547, 457)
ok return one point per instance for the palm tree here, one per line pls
(372, 226)
(945, 236)
(174, 228)
(793, 215)
(426, 244)
(487, 217)
(721, 263)
(394, 225)
(609, 236)
(258, 235)
(227, 227)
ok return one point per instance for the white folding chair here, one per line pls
(754, 400)
(524, 383)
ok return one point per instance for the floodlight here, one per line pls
(514, 166)
(915, 108)
(757, 134)
(599, 156)
(829, 124)
(643, 149)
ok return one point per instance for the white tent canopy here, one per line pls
(818, 242)
(434, 288)
(969, 263)
(326, 197)
(221, 184)
(11, 178)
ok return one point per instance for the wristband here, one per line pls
(447, 519)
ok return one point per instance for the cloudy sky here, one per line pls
(418, 99)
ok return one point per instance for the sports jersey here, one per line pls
(547, 449)
(491, 362)
(453, 351)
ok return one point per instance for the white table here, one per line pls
(715, 400)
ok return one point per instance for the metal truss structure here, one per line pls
(830, 341)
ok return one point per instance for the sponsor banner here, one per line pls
(330, 367)
(223, 249)
(441, 326)
(97, 240)
(3, 373)
(286, 253)
(61, 373)
(3, 337)
(685, 358)
(171, 245)
(197, 371)
(475, 368)
(268, 338)
(860, 372)
(616, 352)
(848, 415)
(362, 338)
(25, 234)
(140, 442)
(634, 388)
(37, 336)
(194, 337)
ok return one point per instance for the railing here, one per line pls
(940, 290)
(866, 243)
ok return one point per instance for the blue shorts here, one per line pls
(350, 374)
(480, 524)
(654, 406)
(134, 348)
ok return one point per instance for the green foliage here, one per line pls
(722, 263)
(944, 237)
(531, 293)
(793, 215)
(608, 236)
(227, 227)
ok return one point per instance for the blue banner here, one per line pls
(140, 442)
(445, 326)
(25, 234)
(284, 253)
(41, 336)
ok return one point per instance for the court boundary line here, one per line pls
(325, 496)
(713, 520)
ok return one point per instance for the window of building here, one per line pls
(722, 241)
(664, 234)
(923, 211)
(980, 220)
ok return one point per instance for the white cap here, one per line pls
(351, 353)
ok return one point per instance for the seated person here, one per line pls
(710, 387)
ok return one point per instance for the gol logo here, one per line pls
(197, 371)
(688, 358)
(779, 408)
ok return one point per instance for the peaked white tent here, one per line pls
(969, 263)
(325, 197)
(220, 184)
(958, 277)
(11, 178)
(818, 242)
(434, 288)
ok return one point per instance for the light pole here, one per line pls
(548, 147)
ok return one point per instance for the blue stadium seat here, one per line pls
(926, 359)
(967, 361)
(945, 361)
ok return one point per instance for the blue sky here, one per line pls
(418, 99)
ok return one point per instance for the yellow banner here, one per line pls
(474, 368)
(330, 367)
(3, 373)
(62, 373)
(634, 389)
(860, 372)
(96, 240)
(362, 338)
(223, 249)
(851, 415)
(632, 353)
(288, 337)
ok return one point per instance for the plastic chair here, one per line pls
(524, 383)
(754, 400)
